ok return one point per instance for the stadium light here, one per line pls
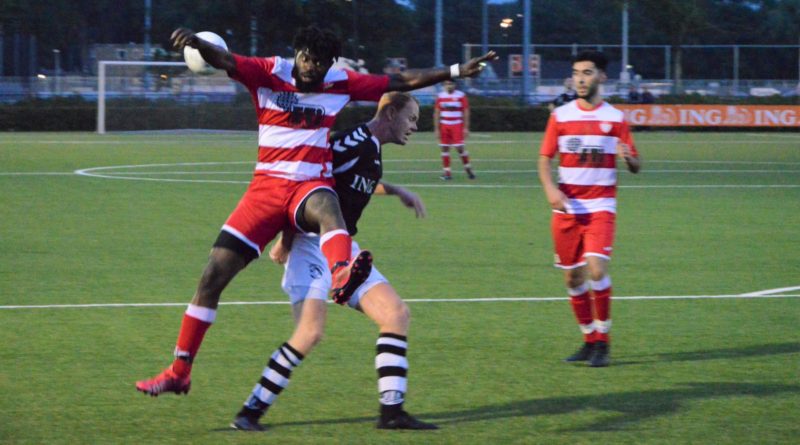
(506, 22)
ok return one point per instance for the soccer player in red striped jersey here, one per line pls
(296, 104)
(451, 124)
(589, 135)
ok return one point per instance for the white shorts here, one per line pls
(306, 273)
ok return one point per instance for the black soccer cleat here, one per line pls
(404, 421)
(245, 423)
(581, 355)
(599, 357)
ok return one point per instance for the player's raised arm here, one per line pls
(416, 79)
(217, 57)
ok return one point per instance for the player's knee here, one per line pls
(401, 314)
(222, 266)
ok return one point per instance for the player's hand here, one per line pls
(557, 199)
(623, 150)
(182, 37)
(412, 201)
(475, 66)
(279, 254)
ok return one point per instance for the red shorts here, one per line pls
(578, 236)
(451, 135)
(267, 207)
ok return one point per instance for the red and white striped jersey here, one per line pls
(293, 126)
(451, 107)
(586, 142)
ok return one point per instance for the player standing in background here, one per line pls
(588, 135)
(451, 124)
(357, 166)
(296, 105)
(568, 95)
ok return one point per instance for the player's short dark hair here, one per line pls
(394, 100)
(599, 59)
(322, 43)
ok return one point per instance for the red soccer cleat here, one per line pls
(347, 277)
(167, 381)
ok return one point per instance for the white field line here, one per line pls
(779, 290)
(750, 296)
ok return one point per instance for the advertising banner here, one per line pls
(712, 115)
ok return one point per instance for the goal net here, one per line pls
(140, 96)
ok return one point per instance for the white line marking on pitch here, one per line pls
(411, 300)
(779, 290)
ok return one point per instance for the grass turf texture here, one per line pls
(711, 214)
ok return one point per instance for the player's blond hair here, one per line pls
(394, 100)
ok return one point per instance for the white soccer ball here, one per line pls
(192, 56)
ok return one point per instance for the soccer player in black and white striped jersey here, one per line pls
(357, 167)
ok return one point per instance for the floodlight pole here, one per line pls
(438, 36)
(485, 26)
(624, 75)
(526, 51)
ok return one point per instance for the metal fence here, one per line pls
(727, 70)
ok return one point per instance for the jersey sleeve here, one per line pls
(626, 137)
(369, 87)
(549, 145)
(253, 72)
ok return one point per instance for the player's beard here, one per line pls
(303, 86)
(590, 93)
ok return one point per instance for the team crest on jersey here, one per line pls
(573, 144)
(302, 115)
(605, 127)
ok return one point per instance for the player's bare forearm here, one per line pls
(407, 197)
(633, 162)
(217, 57)
(555, 197)
(416, 79)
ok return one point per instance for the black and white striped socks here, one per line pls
(273, 380)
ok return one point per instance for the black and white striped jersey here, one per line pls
(357, 168)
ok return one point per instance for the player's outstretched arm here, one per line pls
(215, 56)
(407, 197)
(416, 79)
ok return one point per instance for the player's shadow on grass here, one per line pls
(712, 354)
(625, 408)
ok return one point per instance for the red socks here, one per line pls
(336, 245)
(196, 321)
(602, 308)
(582, 308)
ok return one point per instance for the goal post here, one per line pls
(146, 95)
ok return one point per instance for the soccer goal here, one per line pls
(141, 96)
